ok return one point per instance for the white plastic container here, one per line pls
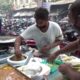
(17, 63)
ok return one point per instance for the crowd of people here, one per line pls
(15, 26)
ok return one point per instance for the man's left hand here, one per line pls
(45, 49)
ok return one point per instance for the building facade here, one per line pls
(20, 4)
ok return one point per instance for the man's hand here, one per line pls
(69, 72)
(45, 49)
(51, 58)
(18, 55)
(40, 55)
(65, 68)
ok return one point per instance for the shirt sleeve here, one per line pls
(58, 32)
(27, 34)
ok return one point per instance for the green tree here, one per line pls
(5, 6)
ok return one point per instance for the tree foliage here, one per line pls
(5, 6)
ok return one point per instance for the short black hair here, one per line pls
(41, 13)
(75, 9)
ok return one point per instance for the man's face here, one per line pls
(71, 18)
(41, 23)
(73, 21)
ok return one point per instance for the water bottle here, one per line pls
(30, 55)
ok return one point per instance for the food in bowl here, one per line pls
(14, 62)
(14, 58)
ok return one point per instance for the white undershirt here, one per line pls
(44, 38)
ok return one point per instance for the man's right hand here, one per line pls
(18, 55)
(17, 44)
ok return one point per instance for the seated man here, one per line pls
(47, 34)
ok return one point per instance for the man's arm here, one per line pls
(58, 36)
(56, 43)
(50, 46)
(17, 44)
(68, 48)
(71, 46)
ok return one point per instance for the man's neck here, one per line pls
(45, 28)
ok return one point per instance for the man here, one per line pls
(74, 16)
(47, 34)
